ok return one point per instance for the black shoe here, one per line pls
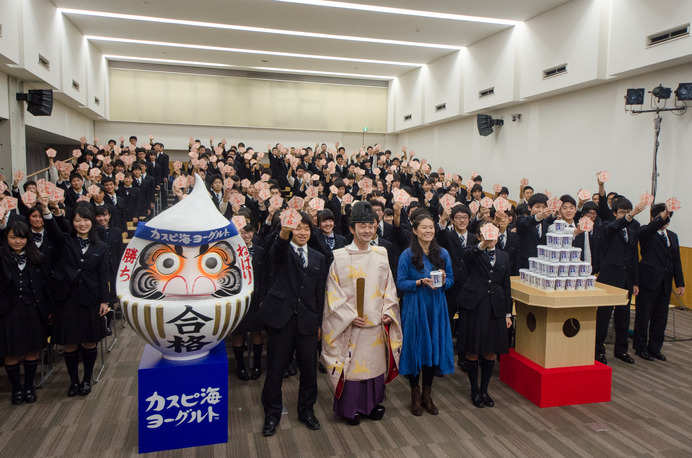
(30, 395)
(322, 369)
(311, 422)
(625, 358)
(487, 400)
(477, 400)
(17, 397)
(601, 358)
(355, 421)
(438, 372)
(292, 369)
(269, 428)
(659, 356)
(73, 390)
(84, 388)
(255, 373)
(644, 355)
(377, 413)
(109, 331)
(242, 374)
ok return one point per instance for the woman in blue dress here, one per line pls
(427, 335)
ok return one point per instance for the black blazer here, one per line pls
(392, 254)
(83, 277)
(449, 240)
(513, 250)
(486, 282)
(259, 270)
(119, 206)
(528, 238)
(132, 200)
(71, 197)
(113, 238)
(38, 279)
(619, 259)
(318, 242)
(660, 264)
(294, 290)
(595, 241)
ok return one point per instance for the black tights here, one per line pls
(428, 376)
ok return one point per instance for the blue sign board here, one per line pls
(182, 403)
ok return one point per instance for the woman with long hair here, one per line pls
(81, 292)
(24, 308)
(427, 343)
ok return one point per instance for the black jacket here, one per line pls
(487, 282)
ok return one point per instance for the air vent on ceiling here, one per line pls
(408, 117)
(97, 101)
(75, 85)
(43, 62)
(486, 92)
(440, 107)
(555, 71)
(668, 35)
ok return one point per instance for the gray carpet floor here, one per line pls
(650, 415)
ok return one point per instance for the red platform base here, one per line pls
(561, 386)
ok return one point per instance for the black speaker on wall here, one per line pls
(39, 102)
(486, 123)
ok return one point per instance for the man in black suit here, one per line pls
(384, 229)
(132, 199)
(162, 171)
(532, 229)
(455, 239)
(507, 241)
(76, 190)
(111, 197)
(659, 266)
(619, 268)
(590, 243)
(292, 312)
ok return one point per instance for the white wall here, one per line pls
(41, 34)
(634, 20)
(9, 42)
(409, 100)
(64, 121)
(562, 141)
(4, 97)
(74, 62)
(443, 84)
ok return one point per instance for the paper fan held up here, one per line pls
(186, 280)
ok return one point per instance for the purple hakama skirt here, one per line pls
(359, 396)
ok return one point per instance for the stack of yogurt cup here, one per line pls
(558, 266)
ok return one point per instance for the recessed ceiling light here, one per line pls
(213, 64)
(242, 28)
(164, 61)
(403, 11)
(248, 51)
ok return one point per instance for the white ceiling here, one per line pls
(391, 59)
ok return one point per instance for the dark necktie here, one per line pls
(301, 254)
(19, 258)
(462, 239)
(538, 230)
(624, 233)
(38, 237)
(379, 231)
(251, 250)
(664, 237)
(502, 241)
(491, 255)
(330, 241)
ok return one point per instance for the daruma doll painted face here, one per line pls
(185, 280)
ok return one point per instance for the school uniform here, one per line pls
(79, 285)
(531, 234)
(292, 312)
(326, 244)
(619, 268)
(593, 253)
(510, 243)
(25, 305)
(659, 266)
(133, 202)
(113, 237)
(484, 301)
(450, 240)
(259, 271)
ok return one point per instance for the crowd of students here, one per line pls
(425, 220)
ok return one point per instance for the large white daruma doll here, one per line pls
(185, 280)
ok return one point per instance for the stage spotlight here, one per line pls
(661, 93)
(635, 96)
(486, 123)
(39, 102)
(684, 91)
